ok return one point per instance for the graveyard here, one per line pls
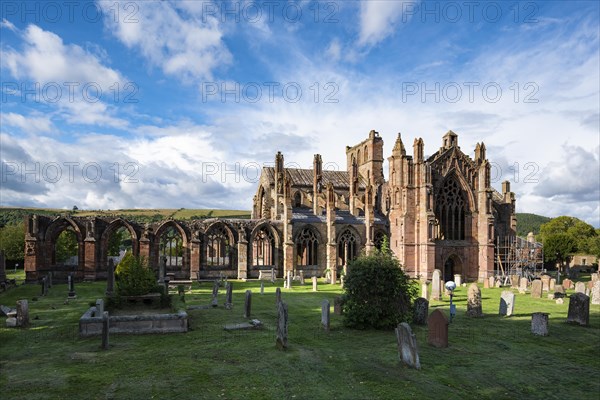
(492, 356)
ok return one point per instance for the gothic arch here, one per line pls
(452, 265)
(348, 244)
(307, 241)
(452, 209)
(56, 227)
(111, 228)
(264, 246)
(218, 247)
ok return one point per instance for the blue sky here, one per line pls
(109, 105)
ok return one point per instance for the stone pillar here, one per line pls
(248, 304)
(331, 234)
(314, 283)
(325, 314)
(195, 257)
(89, 261)
(22, 313)
(242, 256)
(110, 278)
(229, 296)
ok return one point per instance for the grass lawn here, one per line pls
(492, 357)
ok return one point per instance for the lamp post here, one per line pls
(450, 286)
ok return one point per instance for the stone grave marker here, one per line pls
(44, 284)
(559, 291)
(552, 285)
(281, 339)
(273, 277)
(229, 296)
(277, 296)
(301, 274)
(99, 307)
(437, 334)
(262, 288)
(507, 303)
(408, 351)
(596, 293)
(215, 293)
(71, 281)
(435, 284)
(523, 285)
(110, 278)
(514, 281)
(579, 309)
(486, 283)
(492, 281)
(580, 287)
(314, 283)
(289, 280)
(421, 311)
(458, 279)
(248, 304)
(474, 301)
(424, 290)
(536, 289)
(545, 283)
(567, 284)
(337, 305)
(105, 329)
(22, 313)
(342, 281)
(325, 310)
(539, 323)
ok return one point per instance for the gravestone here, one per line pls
(559, 291)
(337, 305)
(596, 293)
(514, 281)
(474, 301)
(552, 285)
(580, 287)
(507, 303)
(536, 289)
(523, 285)
(567, 284)
(435, 284)
(262, 288)
(215, 293)
(110, 278)
(49, 276)
(545, 283)
(248, 304)
(437, 334)
(314, 283)
(2, 266)
(281, 339)
(579, 309)
(408, 351)
(99, 307)
(424, 290)
(44, 284)
(277, 296)
(458, 279)
(289, 280)
(421, 311)
(22, 313)
(342, 281)
(229, 296)
(72, 294)
(539, 324)
(492, 281)
(273, 277)
(325, 309)
(486, 283)
(105, 329)
(301, 273)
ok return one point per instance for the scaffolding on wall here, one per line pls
(518, 256)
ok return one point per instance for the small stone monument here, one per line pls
(281, 339)
(437, 324)
(99, 307)
(545, 283)
(262, 287)
(580, 287)
(552, 285)
(424, 293)
(435, 284)
(421, 311)
(273, 275)
(337, 305)
(474, 301)
(492, 281)
(325, 310)
(301, 276)
(342, 281)
(22, 313)
(44, 284)
(579, 309)
(596, 293)
(458, 279)
(229, 296)
(567, 284)
(71, 281)
(215, 293)
(539, 323)
(277, 296)
(523, 285)
(105, 329)
(408, 351)
(514, 281)
(536, 289)
(507, 303)
(110, 278)
(314, 283)
(248, 304)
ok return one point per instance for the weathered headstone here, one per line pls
(567, 284)
(301, 274)
(289, 280)
(580, 287)
(215, 293)
(523, 285)
(262, 288)
(579, 309)
(474, 301)
(507, 303)
(105, 330)
(539, 323)
(552, 285)
(281, 339)
(486, 283)
(342, 281)
(277, 296)
(2, 266)
(314, 283)
(424, 293)
(44, 284)
(536, 289)
(99, 307)
(273, 277)
(408, 351)
(559, 289)
(545, 283)
(435, 284)
(325, 310)
(421, 311)
(337, 305)
(110, 277)
(492, 281)
(22, 313)
(248, 304)
(514, 281)
(596, 293)
(458, 279)
(229, 296)
(437, 325)
(71, 280)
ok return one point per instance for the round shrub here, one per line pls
(133, 277)
(377, 292)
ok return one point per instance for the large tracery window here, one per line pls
(307, 247)
(347, 248)
(171, 248)
(218, 248)
(263, 247)
(451, 208)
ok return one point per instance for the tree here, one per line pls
(558, 247)
(377, 292)
(66, 245)
(580, 232)
(133, 276)
(12, 241)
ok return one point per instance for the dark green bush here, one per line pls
(377, 292)
(133, 277)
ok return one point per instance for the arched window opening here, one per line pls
(263, 248)
(347, 248)
(307, 248)
(297, 199)
(171, 249)
(218, 247)
(451, 209)
(66, 248)
(366, 154)
(119, 243)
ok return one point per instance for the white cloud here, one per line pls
(379, 19)
(30, 124)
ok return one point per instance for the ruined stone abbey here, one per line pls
(439, 212)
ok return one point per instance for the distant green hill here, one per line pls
(10, 215)
(530, 223)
